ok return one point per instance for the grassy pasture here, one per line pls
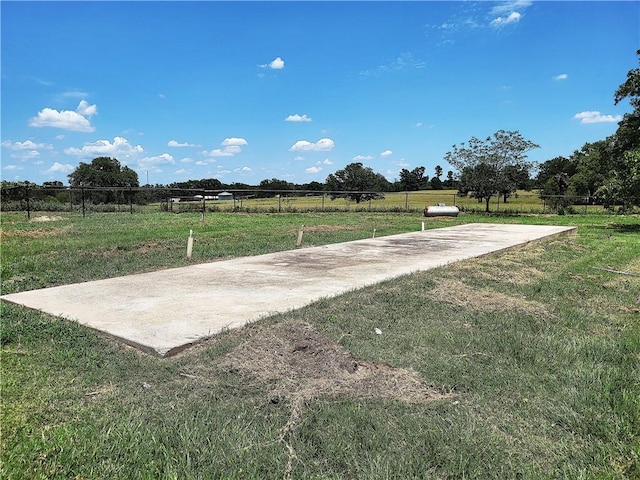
(521, 202)
(524, 364)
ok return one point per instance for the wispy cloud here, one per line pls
(596, 117)
(176, 144)
(313, 170)
(386, 153)
(362, 158)
(403, 62)
(560, 77)
(513, 17)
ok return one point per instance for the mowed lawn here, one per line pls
(522, 364)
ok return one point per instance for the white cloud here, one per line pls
(326, 161)
(218, 152)
(234, 141)
(86, 110)
(513, 17)
(277, 64)
(156, 161)
(183, 171)
(386, 153)
(231, 146)
(175, 143)
(562, 76)
(244, 169)
(313, 170)
(60, 168)
(77, 121)
(120, 147)
(596, 117)
(201, 163)
(322, 145)
(298, 118)
(26, 145)
(299, 157)
(362, 158)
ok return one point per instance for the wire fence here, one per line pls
(85, 200)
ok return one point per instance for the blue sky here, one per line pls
(246, 91)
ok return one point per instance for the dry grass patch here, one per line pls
(454, 291)
(299, 363)
(38, 232)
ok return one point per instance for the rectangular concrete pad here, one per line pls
(164, 312)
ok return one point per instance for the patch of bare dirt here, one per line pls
(301, 364)
(454, 291)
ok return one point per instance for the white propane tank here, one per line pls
(441, 211)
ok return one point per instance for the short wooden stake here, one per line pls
(300, 233)
(190, 244)
(374, 233)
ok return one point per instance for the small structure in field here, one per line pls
(225, 196)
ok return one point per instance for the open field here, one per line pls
(524, 364)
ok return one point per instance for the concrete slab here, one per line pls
(164, 312)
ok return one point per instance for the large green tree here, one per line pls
(486, 166)
(103, 172)
(357, 182)
(414, 179)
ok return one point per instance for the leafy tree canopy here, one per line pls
(356, 182)
(492, 166)
(414, 179)
(103, 172)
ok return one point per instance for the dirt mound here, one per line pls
(300, 364)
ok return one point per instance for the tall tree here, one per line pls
(103, 172)
(438, 171)
(484, 165)
(413, 180)
(356, 182)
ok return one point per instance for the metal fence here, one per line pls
(148, 200)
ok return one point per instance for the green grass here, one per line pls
(537, 351)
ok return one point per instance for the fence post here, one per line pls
(406, 201)
(83, 202)
(26, 188)
(130, 201)
(204, 206)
